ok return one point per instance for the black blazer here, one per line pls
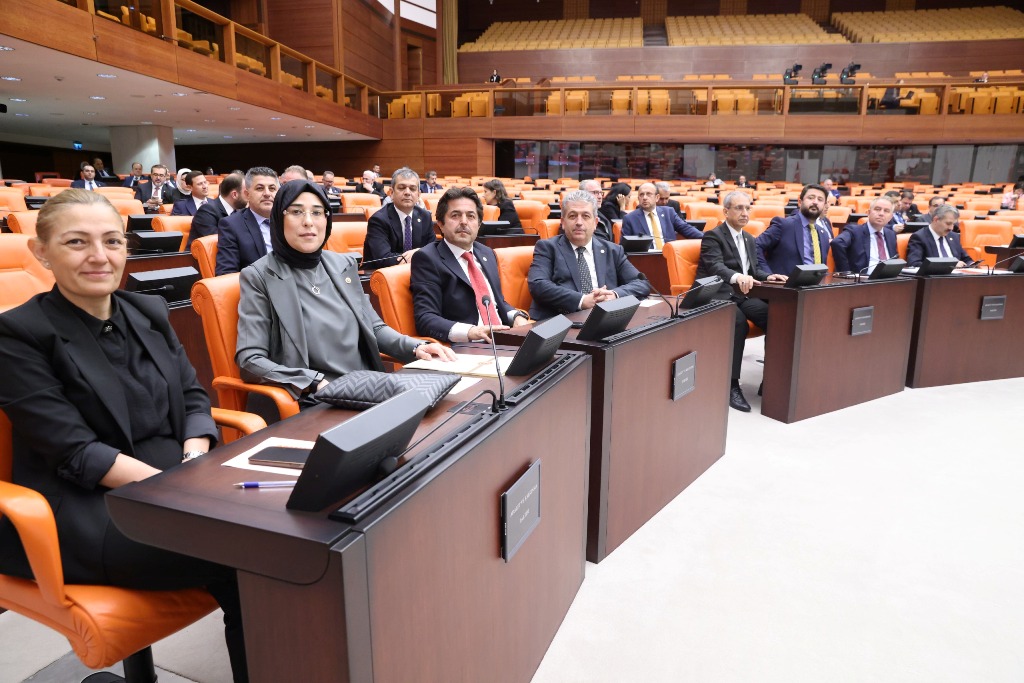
(554, 277)
(922, 244)
(241, 242)
(205, 222)
(168, 195)
(851, 250)
(508, 213)
(718, 256)
(442, 294)
(385, 235)
(61, 400)
(185, 207)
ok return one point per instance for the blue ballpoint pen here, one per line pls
(265, 484)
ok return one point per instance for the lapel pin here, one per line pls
(348, 281)
(484, 259)
(602, 251)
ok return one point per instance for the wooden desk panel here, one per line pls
(813, 365)
(499, 241)
(646, 448)
(653, 265)
(951, 344)
(418, 590)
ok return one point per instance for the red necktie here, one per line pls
(881, 246)
(476, 278)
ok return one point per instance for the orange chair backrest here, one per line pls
(767, 211)
(13, 199)
(182, 224)
(23, 222)
(21, 275)
(542, 196)
(547, 228)
(755, 228)
(351, 200)
(204, 250)
(983, 204)
(697, 210)
(127, 207)
(116, 192)
(347, 237)
(491, 213)
(531, 212)
(430, 201)
(975, 235)
(902, 240)
(391, 285)
(216, 301)
(513, 267)
(838, 215)
(58, 182)
(681, 257)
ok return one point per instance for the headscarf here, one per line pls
(180, 181)
(285, 197)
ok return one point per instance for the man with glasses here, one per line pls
(729, 252)
(604, 226)
(158, 191)
(401, 227)
(933, 205)
(659, 222)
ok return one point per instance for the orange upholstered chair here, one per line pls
(542, 196)
(698, 210)
(430, 201)
(57, 182)
(116, 192)
(13, 199)
(755, 228)
(681, 257)
(128, 207)
(354, 202)
(983, 205)
(975, 235)
(838, 215)
(204, 251)
(531, 212)
(491, 213)
(347, 237)
(767, 212)
(902, 240)
(513, 267)
(23, 222)
(548, 227)
(216, 301)
(21, 275)
(391, 285)
(182, 224)
(103, 624)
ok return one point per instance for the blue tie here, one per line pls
(407, 244)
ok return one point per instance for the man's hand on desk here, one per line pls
(775, 277)
(596, 296)
(481, 332)
(434, 350)
(520, 320)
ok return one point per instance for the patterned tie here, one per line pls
(815, 245)
(586, 286)
(476, 278)
(407, 244)
(881, 246)
(942, 247)
(655, 225)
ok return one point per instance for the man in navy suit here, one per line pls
(660, 222)
(575, 271)
(859, 248)
(802, 238)
(88, 180)
(189, 204)
(730, 252)
(451, 278)
(399, 228)
(135, 177)
(158, 191)
(245, 234)
(665, 198)
(938, 239)
(230, 198)
(430, 185)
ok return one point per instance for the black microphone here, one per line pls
(1005, 260)
(500, 405)
(400, 258)
(671, 309)
(164, 288)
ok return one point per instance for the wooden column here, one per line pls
(576, 9)
(397, 40)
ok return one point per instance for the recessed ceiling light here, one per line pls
(190, 130)
(281, 135)
(180, 94)
(21, 115)
(275, 118)
(309, 126)
(5, 48)
(18, 99)
(107, 75)
(250, 128)
(234, 108)
(209, 120)
(90, 113)
(9, 78)
(97, 97)
(160, 111)
(227, 137)
(56, 113)
(146, 123)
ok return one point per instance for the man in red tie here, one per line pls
(456, 291)
(860, 248)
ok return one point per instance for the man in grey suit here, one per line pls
(575, 271)
(729, 252)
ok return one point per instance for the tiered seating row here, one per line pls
(562, 34)
(976, 23)
(750, 29)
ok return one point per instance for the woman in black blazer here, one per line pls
(495, 195)
(613, 207)
(100, 393)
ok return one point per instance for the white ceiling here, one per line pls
(57, 110)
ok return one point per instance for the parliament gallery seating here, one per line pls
(21, 274)
(513, 267)
(354, 202)
(204, 251)
(975, 235)
(531, 212)
(182, 224)
(347, 237)
(23, 222)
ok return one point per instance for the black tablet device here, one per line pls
(140, 221)
(494, 228)
(608, 318)
(173, 284)
(154, 242)
(700, 293)
(914, 226)
(935, 265)
(352, 455)
(888, 269)
(805, 275)
(1017, 242)
(540, 345)
(636, 244)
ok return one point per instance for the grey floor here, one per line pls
(884, 542)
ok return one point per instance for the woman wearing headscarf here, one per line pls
(614, 205)
(303, 318)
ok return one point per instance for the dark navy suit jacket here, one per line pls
(442, 294)
(207, 218)
(554, 277)
(672, 226)
(385, 235)
(922, 244)
(240, 243)
(782, 244)
(185, 207)
(851, 250)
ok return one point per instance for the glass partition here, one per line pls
(199, 34)
(353, 95)
(293, 72)
(251, 55)
(824, 100)
(326, 86)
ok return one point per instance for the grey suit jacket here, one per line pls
(271, 346)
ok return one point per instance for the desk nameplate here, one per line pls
(862, 320)
(684, 375)
(993, 307)
(520, 511)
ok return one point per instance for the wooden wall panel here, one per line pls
(693, 8)
(369, 43)
(606, 9)
(653, 11)
(424, 38)
(52, 24)
(202, 73)
(733, 7)
(305, 23)
(857, 6)
(123, 47)
(258, 90)
(576, 9)
(775, 7)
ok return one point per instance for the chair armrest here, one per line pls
(246, 423)
(286, 405)
(32, 518)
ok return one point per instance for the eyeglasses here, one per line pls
(299, 213)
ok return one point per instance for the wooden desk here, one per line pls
(418, 590)
(813, 365)
(646, 448)
(653, 265)
(1004, 254)
(517, 240)
(951, 344)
